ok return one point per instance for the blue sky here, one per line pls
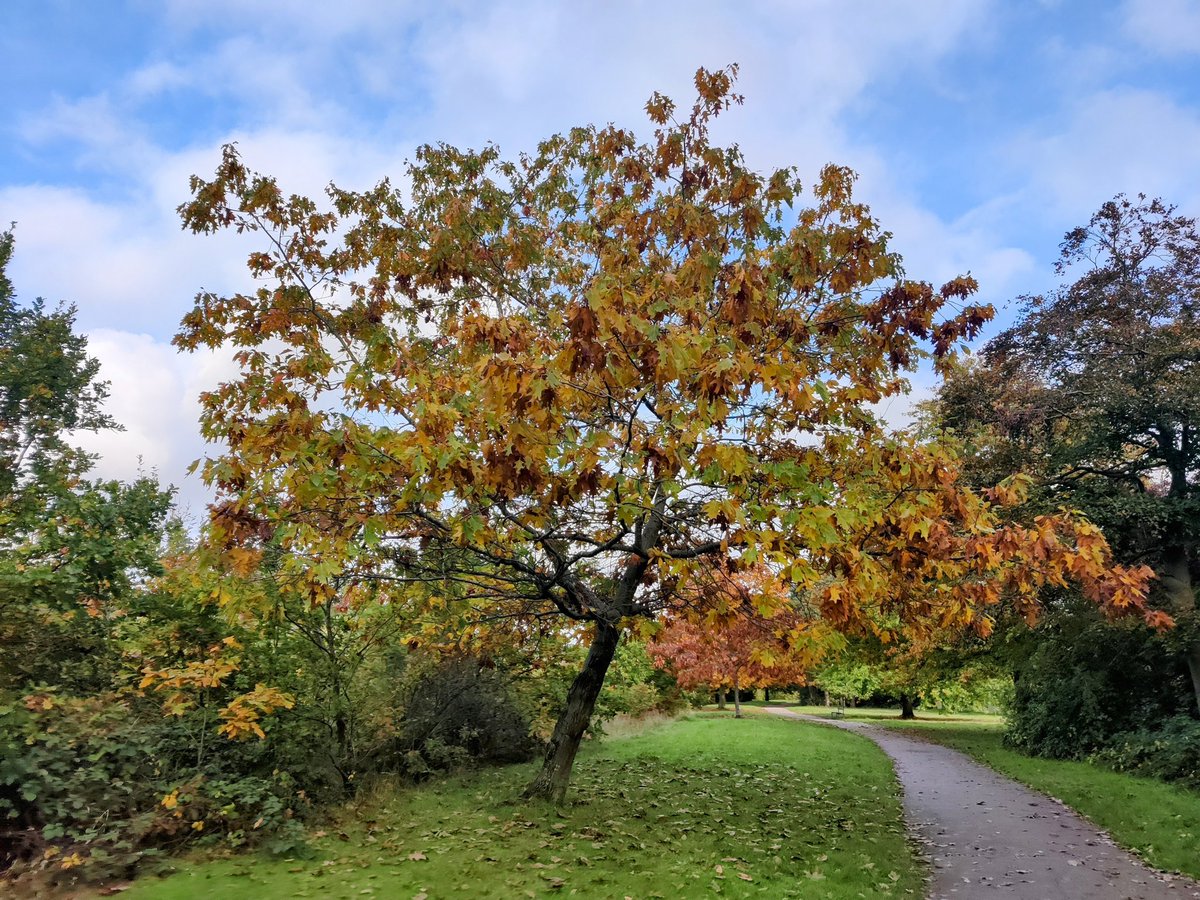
(982, 129)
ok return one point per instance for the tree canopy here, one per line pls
(557, 386)
(1095, 392)
(70, 548)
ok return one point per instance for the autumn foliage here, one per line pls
(561, 385)
(732, 644)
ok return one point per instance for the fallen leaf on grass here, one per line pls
(417, 856)
(744, 876)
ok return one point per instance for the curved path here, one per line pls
(987, 836)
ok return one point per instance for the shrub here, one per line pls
(1170, 752)
(92, 788)
(460, 711)
(1083, 680)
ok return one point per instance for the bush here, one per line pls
(634, 686)
(460, 711)
(1083, 680)
(1170, 752)
(91, 789)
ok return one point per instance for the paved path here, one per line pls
(987, 836)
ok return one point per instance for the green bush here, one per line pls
(456, 712)
(92, 788)
(1170, 752)
(634, 686)
(1081, 680)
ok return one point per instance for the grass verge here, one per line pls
(703, 806)
(1158, 821)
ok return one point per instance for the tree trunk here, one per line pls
(737, 697)
(1193, 661)
(766, 695)
(1176, 579)
(906, 707)
(827, 698)
(721, 697)
(551, 782)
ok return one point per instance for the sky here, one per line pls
(982, 131)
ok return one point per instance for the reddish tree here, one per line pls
(735, 644)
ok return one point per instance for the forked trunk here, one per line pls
(737, 697)
(551, 782)
(906, 707)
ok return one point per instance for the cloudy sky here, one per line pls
(982, 129)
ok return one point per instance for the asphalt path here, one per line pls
(987, 836)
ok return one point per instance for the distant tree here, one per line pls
(733, 645)
(70, 548)
(48, 388)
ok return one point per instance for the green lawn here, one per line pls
(1158, 821)
(707, 805)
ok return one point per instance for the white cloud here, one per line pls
(1170, 27)
(937, 251)
(1120, 140)
(123, 263)
(155, 397)
(107, 135)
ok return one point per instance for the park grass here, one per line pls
(703, 806)
(1159, 822)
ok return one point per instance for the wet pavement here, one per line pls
(987, 836)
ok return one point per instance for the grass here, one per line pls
(704, 806)
(1158, 821)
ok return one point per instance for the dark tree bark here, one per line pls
(737, 697)
(720, 698)
(1175, 575)
(552, 781)
(1193, 661)
(906, 707)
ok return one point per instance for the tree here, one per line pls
(1096, 392)
(559, 386)
(731, 645)
(70, 549)
(48, 387)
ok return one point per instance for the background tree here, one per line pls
(557, 386)
(1096, 393)
(70, 549)
(730, 644)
